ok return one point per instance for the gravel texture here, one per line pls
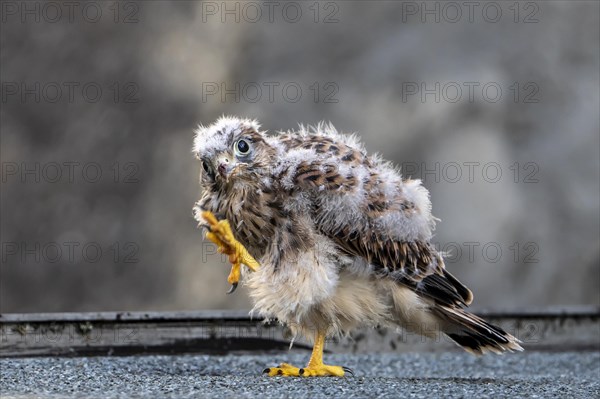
(420, 375)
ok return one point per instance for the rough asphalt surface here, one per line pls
(420, 375)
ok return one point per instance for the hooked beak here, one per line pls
(224, 166)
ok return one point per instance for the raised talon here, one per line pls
(232, 289)
(220, 234)
(204, 226)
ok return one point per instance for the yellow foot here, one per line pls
(220, 234)
(323, 370)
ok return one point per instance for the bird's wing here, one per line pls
(355, 206)
(415, 264)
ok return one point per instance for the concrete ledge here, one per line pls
(221, 332)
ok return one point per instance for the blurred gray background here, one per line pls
(495, 106)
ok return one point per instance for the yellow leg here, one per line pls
(315, 366)
(220, 234)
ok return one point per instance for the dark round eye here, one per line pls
(242, 147)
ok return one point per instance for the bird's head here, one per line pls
(232, 151)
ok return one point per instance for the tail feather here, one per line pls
(474, 334)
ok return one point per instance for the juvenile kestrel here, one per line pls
(340, 239)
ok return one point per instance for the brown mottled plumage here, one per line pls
(343, 241)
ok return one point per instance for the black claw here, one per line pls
(232, 289)
(266, 371)
(205, 226)
(279, 372)
(301, 371)
(348, 370)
